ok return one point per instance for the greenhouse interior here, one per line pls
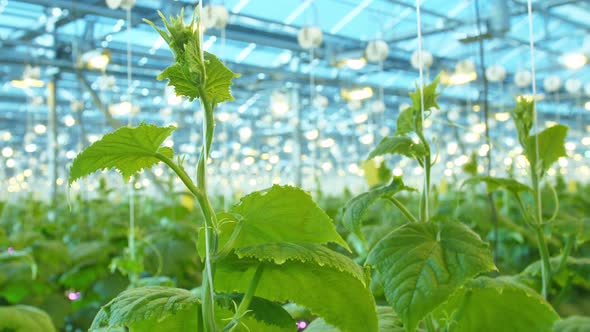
(294, 165)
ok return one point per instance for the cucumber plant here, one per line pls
(431, 267)
(541, 150)
(268, 249)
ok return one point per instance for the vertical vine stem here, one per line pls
(541, 241)
(208, 213)
(425, 201)
(536, 170)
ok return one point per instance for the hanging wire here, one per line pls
(131, 238)
(316, 152)
(534, 88)
(421, 82)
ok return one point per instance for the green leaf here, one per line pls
(152, 308)
(576, 271)
(187, 83)
(573, 324)
(405, 122)
(551, 146)
(430, 96)
(335, 290)
(494, 184)
(279, 253)
(219, 79)
(523, 116)
(422, 264)
(410, 119)
(500, 304)
(24, 318)
(471, 166)
(388, 322)
(579, 227)
(178, 33)
(127, 149)
(355, 210)
(283, 214)
(398, 145)
(193, 73)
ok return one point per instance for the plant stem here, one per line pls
(429, 321)
(541, 242)
(402, 208)
(424, 202)
(208, 213)
(569, 243)
(181, 174)
(245, 303)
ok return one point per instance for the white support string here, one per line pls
(316, 153)
(534, 88)
(131, 188)
(421, 72)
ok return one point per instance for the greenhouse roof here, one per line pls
(260, 42)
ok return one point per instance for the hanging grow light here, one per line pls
(30, 79)
(310, 37)
(279, 103)
(95, 59)
(214, 16)
(123, 108)
(353, 63)
(523, 78)
(377, 51)
(357, 93)
(574, 60)
(427, 59)
(463, 74)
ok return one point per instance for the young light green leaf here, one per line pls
(193, 73)
(151, 308)
(410, 119)
(422, 264)
(398, 145)
(551, 146)
(24, 318)
(283, 214)
(499, 304)
(279, 253)
(355, 210)
(177, 33)
(340, 298)
(494, 184)
(127, 149)
(187, 82)
(573, 324)
(430, 96)
(523, 116)
(405, 122)
(219, 79)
